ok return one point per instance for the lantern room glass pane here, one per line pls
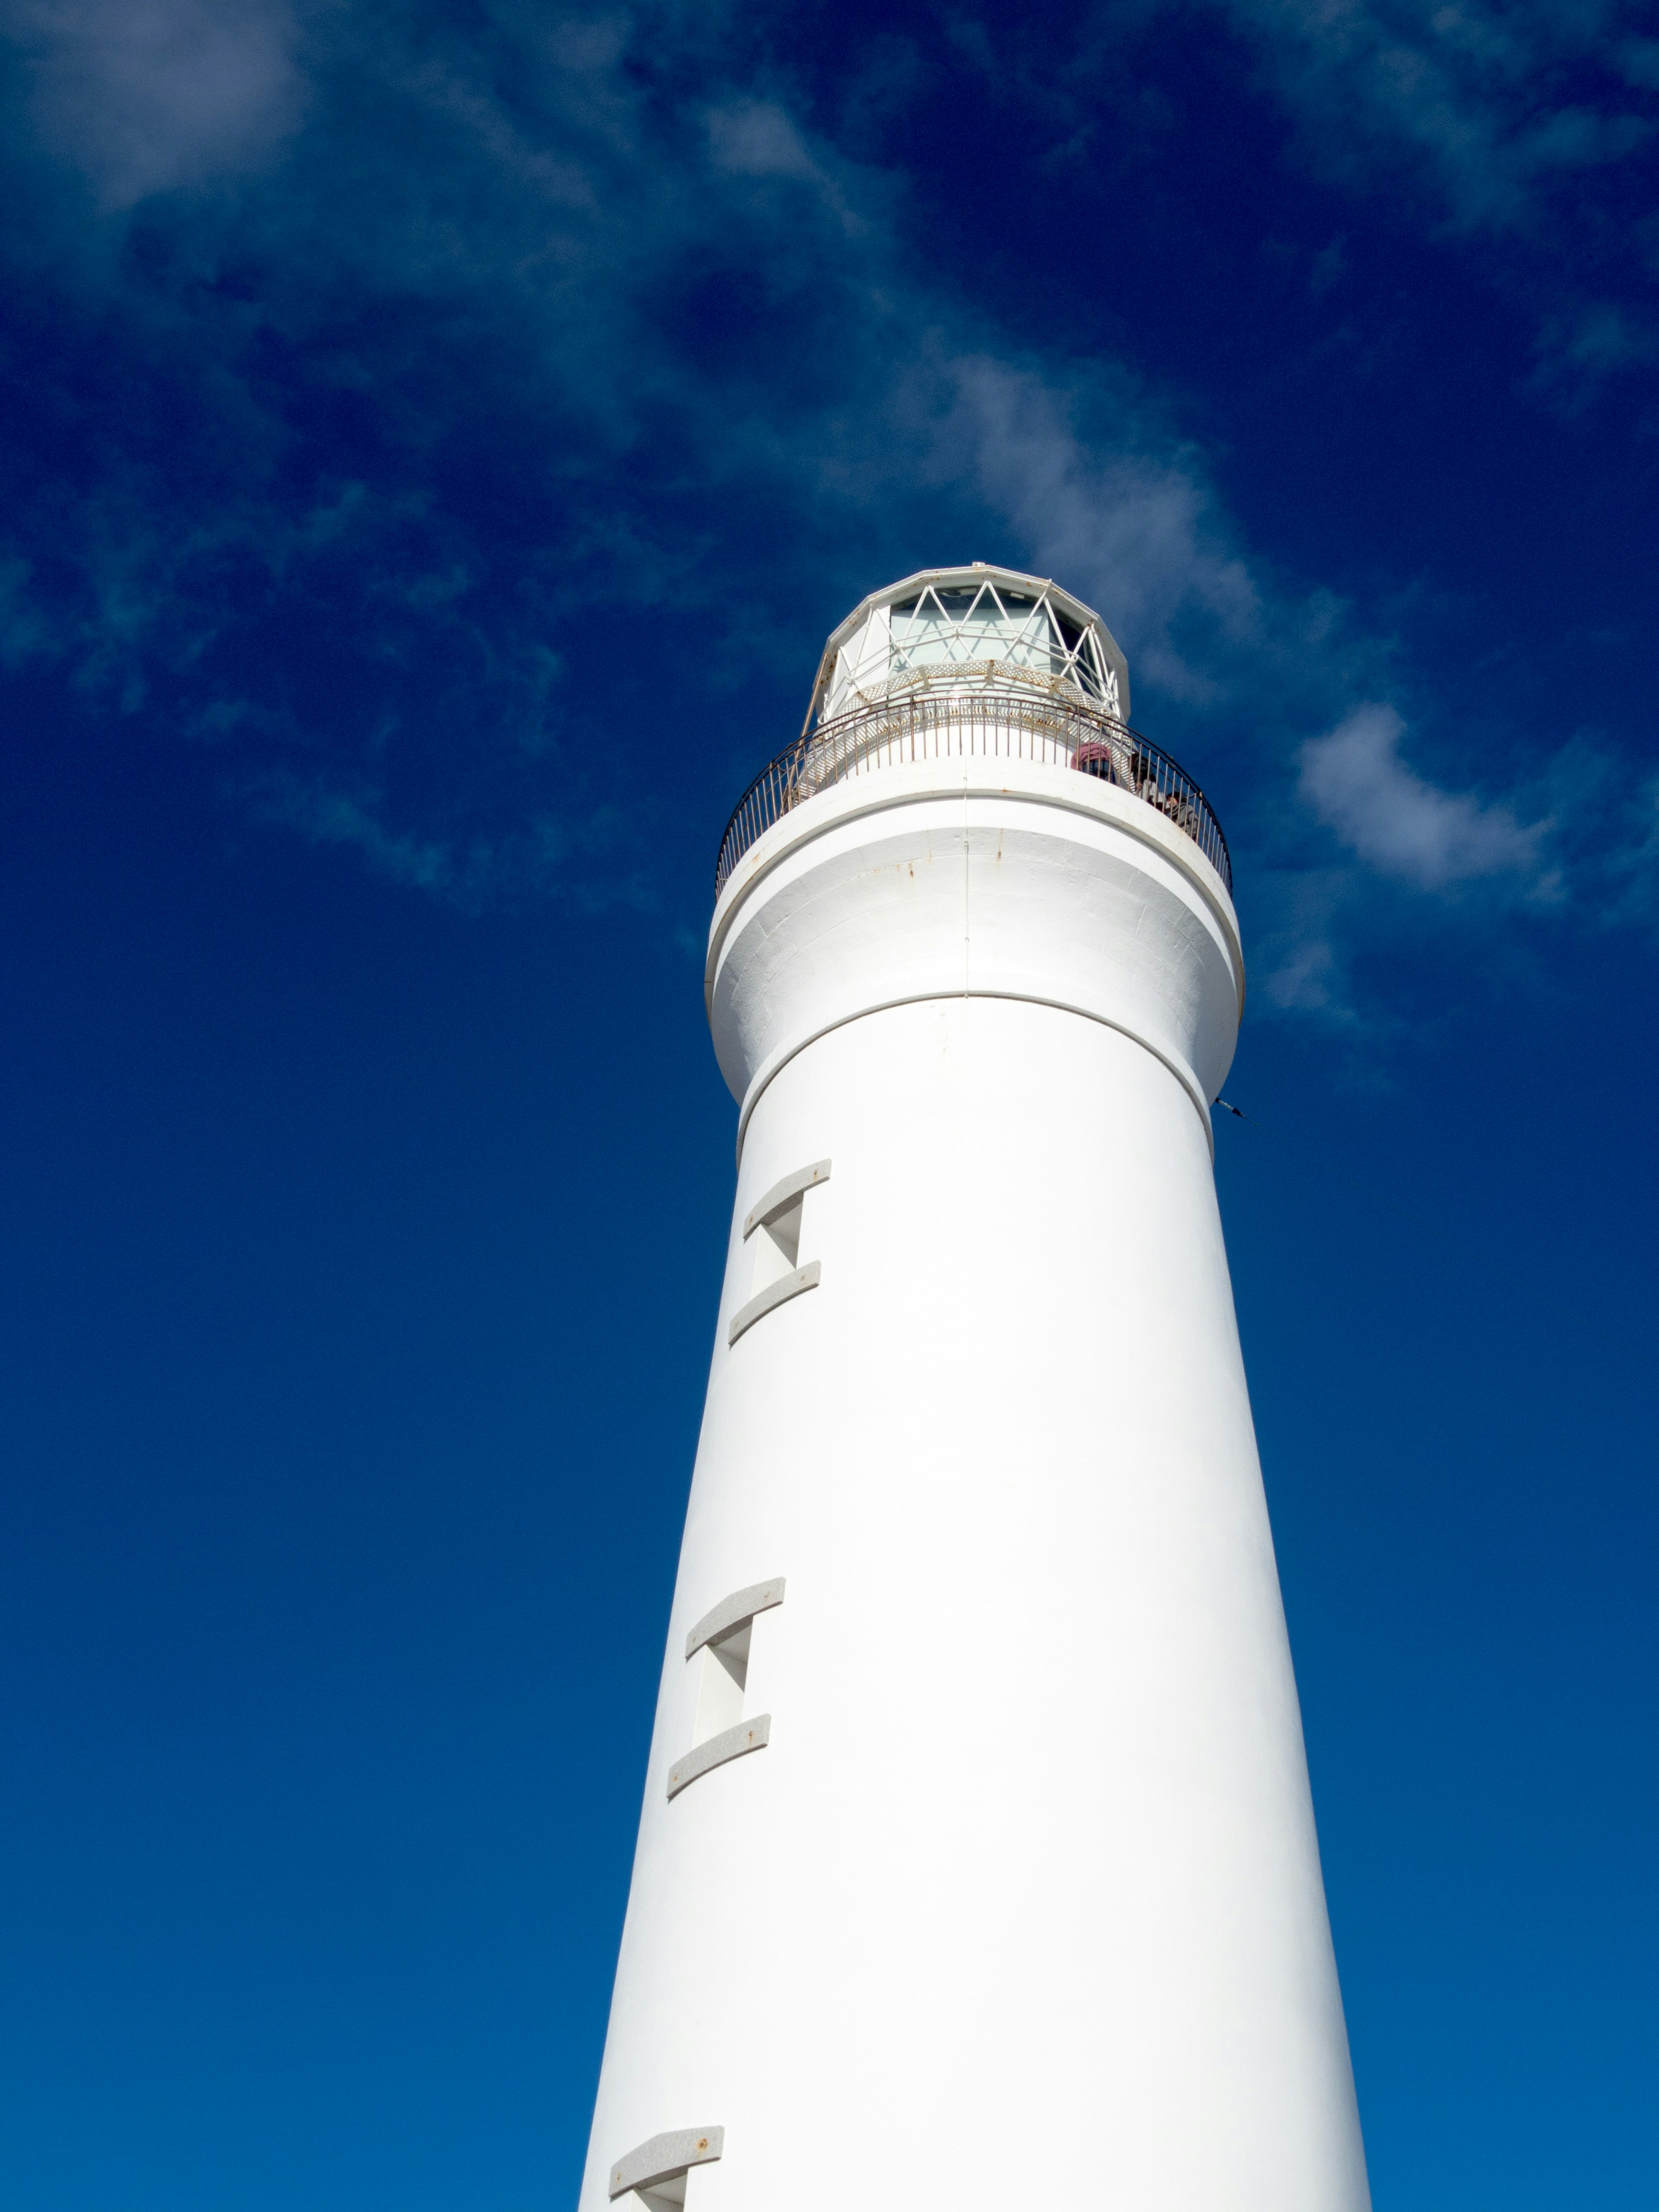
(971, 625)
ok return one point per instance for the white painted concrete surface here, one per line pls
(1020, 1904)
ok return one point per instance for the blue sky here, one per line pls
(437, 439)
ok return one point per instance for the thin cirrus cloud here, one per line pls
(1522, 135)
(147, 95)
(547, 232)
(1491, 104)
(1354, 781)
(919, 395)
(1130, 522)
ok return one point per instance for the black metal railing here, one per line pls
(1010, 723)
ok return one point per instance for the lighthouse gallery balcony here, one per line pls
(972, 662)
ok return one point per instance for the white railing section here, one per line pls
(1002, 720)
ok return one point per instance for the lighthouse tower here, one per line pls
(977, 1866)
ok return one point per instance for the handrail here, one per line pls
(1007, 721)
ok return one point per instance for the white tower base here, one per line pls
(996, 1882)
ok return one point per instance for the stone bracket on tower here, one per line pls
(666, 2159)
(731, 1743)
(783, 1194)
(731, 1612)
(774, 1294)
(774, 1227)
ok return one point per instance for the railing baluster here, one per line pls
(993, 725)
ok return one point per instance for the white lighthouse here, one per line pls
(977, 1866)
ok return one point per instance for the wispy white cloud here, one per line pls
(1486, 101)
(1301, 945)
(757, 138)
(1519, 132)
(328, 815)
(537, 237)
(473, 869)
(146, 96)
(26, 632)
(1354, 781)
(1575, 354)
(1129, 519)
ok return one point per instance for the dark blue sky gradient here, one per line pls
(437, 442)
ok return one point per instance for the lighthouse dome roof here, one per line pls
(974, 624)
